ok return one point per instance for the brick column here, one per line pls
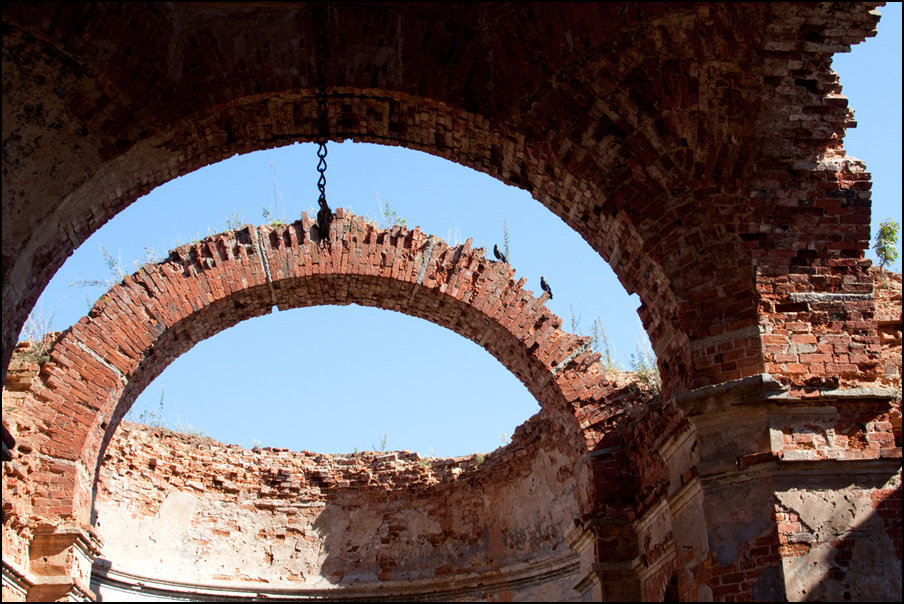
(767, 459)
(628, 549)
(61, 560)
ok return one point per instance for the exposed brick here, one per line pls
(698, 185)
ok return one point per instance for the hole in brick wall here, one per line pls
(388, 185)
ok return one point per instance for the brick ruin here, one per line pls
(607, 470)
(698, 148)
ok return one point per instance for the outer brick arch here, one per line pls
(615, 116)
(246, 125)
(562, 128)
(98, 367)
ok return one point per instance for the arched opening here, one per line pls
(141, 325)
(698, 149)
(422, 189)
(624, 175)
(338, 380)
(523, 451)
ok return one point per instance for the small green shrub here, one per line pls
(886, 240)
(235, 223)
(156, 418)
(391, 218)
(599, 341)
(37, 330)
(644, 364)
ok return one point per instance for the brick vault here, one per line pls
(697, 147)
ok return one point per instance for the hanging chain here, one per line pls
(321, 147)
(325, 215)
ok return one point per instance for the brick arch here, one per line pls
(263, 121)
(542, 107)
(710, 174)
(98, 367)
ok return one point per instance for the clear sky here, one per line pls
(337, 379)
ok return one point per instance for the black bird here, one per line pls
(324, 218)
(499, 255)
(545, 286)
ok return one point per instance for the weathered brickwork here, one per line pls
(698, 148)
(633, 500)
(816, 306)
(319, 521)
(656, 176)
(97, 368)
(69, 409)
(889, 321)
(819, 548)
(859, 429)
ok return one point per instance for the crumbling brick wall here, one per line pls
(71, 404)
(99, 366)
(195, 511)
(887, 292)
(698, 148)
(640, 125)
(631, 496)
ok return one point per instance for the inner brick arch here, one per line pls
(97, 369)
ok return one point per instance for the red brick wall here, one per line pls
(308, 520)
(622, 483)
(98, 367)
(809, 221)
(697, 148)
(639, 125)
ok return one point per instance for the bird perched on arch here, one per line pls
(499, 255)
(545, 286)
(324, 218)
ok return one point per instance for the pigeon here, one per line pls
(545, 286)
(499, 255)
(324, 218)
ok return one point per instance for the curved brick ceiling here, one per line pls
(644, 126)
(99, 366)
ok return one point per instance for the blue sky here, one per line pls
(337, 379)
